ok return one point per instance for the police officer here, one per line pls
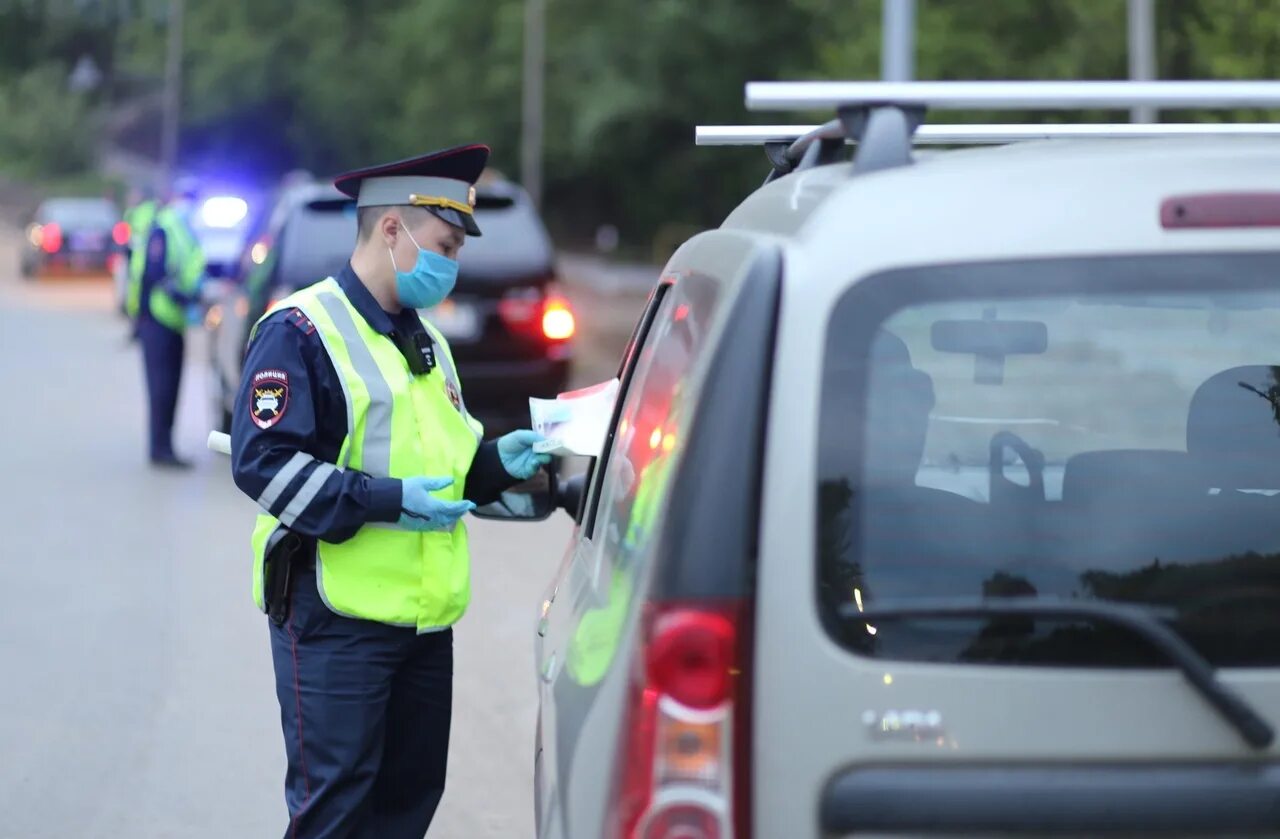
(351, 433)
(138, 205)
(165, 268)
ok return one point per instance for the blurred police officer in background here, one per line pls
(351, 433)
(138, 206)
(165, 269)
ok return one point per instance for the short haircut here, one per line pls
(367, 219)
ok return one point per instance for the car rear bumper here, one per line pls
(72, 263)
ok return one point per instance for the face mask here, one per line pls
(432, 278)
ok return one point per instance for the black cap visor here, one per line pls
(463, 221)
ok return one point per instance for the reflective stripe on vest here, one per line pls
(398, 425)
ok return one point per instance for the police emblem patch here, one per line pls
(454, 396)
(269, 398)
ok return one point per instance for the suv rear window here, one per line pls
(80, 212)
(316, 242)
(515, 242)
(1102, 429)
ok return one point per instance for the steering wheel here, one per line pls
(1032, 458)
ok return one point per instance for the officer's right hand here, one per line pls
(420, 510)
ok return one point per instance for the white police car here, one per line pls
(941, 495)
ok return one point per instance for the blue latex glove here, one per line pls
(517, 454)
(420, 510)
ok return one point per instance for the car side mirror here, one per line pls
(569, 495)
(533, 500)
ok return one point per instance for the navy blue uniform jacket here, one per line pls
(280, 466)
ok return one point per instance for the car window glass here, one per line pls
(636, 476)
(626, 375)
(1113, 440)
(514, 239)
(315, 243)
(81, 212)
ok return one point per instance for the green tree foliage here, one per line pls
(44, 130)
(329, 84)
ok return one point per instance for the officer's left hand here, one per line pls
(517, 454)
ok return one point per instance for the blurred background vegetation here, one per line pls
(272, 85)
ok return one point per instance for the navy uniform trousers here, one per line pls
(162, 351)
(365, 709)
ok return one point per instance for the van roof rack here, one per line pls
(991, 134)
(885, 118)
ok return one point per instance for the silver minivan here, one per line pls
(942, 493)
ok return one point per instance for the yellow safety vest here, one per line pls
(139, 218)
(398, 425)
(184, 265)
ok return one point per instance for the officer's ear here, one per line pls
(389, 225)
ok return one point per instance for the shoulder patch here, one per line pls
(299, 319)
(270, 397)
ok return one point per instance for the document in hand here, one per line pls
(575, 422)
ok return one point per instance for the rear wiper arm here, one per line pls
(1255, 730)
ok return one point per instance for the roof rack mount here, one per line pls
(884, 118)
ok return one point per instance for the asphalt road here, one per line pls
(136, 696)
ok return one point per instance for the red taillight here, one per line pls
(51, 238)
(519, 308)
(683, 767)
(691, 656)
(538, 312)
(637, 768)
(558, 323)
(120, 233)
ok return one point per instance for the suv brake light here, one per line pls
(538, 311)
(558, 323)
(51, 238)
(683, 763)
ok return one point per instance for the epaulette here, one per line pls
(299, 319)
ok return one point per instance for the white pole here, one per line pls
(1142, 51)
(898, 41)
(172, 94)
(535, 36)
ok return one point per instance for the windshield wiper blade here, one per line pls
(1143, 622)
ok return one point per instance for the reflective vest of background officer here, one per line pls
(166, 265)
(351, 433)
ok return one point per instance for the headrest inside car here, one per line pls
(1233, 428)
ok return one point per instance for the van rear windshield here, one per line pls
(1090, 429)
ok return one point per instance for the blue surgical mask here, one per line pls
(432, 278)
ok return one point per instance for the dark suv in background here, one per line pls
(509, 326)
(73, 236)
